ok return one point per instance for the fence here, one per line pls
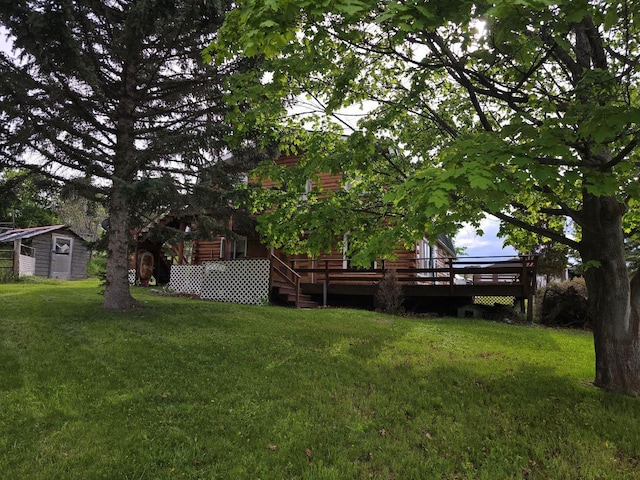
(6, 262)
(243, 281)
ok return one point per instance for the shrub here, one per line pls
(564, 304)
(7, 276)
(389, 296)
(97, 266)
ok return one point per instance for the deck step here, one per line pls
(287, 293)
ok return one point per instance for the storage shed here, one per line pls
(53, 251)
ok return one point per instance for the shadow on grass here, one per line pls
(10, 373)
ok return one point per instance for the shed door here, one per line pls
(61, 257)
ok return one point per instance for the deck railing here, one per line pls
(470, 276)
(451, 271)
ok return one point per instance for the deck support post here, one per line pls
(325, 285)
(451, 275)
(324, 293)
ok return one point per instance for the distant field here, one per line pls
(183, 388)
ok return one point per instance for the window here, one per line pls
(425, 257)
(345, 249)
(239, 248)
(62, 246)
(307, 188)
(421, 253)
(345, 259)
(434, 256)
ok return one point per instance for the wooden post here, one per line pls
(451, 276)
(181, 259)
(326, 279)
(15, 267)
(324, 293)
(271, 274)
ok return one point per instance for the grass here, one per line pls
(182, 388)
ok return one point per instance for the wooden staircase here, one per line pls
(286, 294)
(285, 285)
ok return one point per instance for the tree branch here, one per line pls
(556, 237)
(622, 154)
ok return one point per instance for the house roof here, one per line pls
(21, 233)
(446, 241)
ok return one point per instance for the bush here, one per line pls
(389, 296)
(97, 267)
(7, 276)
(564, 305)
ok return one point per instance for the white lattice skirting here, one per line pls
(186, 279)
(237, 281)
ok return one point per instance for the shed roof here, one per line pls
(21, 233)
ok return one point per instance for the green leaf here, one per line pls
(350, 7)
(480, 182)
(268, 24)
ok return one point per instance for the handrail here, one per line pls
(294, 281)
(519, 271)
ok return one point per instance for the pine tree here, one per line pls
(113, 99)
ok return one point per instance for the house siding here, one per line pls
(204, 250)
(327, 182)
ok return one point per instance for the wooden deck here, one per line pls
(461, 278)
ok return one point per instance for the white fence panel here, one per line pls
(237, 281)
(27, 265)
(186, 279)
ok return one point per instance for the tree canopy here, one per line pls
(26, 200)
(472, 92)
(527, 110)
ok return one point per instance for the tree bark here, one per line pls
(117, 295)
(613, 301)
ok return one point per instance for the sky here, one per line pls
(5, 46)
(488, 245)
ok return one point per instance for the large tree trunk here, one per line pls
(613, 302)
(116, 294)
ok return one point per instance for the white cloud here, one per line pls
(488, 245)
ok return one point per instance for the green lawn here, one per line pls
(183, 388)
